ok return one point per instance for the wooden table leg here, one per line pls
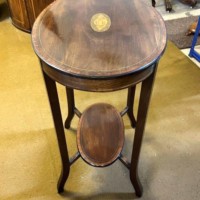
(145, 95)
(130, 104)
(71, 106)
(58, 123)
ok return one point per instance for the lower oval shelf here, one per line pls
(100, 135)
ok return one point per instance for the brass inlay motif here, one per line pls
(100, 22)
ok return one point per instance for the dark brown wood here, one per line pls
(153, 2)
(74, 158)
(73, 110)
(71, 106)
(77, 55)
(125, 161)
(58, 123)
(130, 104)
(74, 48)
(24, 12)
(147, 86)
(35, 7)
(191, 3)
(100, 135)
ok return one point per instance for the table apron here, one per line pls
(97, 85)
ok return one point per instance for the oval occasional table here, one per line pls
(99, 46)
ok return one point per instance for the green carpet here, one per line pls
(29, 158)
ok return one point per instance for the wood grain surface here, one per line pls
(63, 37)
(24, 12)
(100, 135)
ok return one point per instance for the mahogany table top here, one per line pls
(99, 39)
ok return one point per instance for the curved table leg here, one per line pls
(58, 123)
(145, 95)
(71, 106)
(130, 103)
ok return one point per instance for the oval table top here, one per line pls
(99, 39)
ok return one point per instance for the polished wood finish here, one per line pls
(74, 48)
(71, 106)
(57, 118)
(130, 104)
(98, 85)
(35, 7)
(100, 135)
(24, 12)
(145, 94)
(76, 56)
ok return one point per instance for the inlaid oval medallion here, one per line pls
(100, 22)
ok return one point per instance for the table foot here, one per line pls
(62, 180)
(136, 184)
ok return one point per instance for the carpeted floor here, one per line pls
(177, 29)
(29, 160)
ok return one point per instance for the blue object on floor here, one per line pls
(194, 53)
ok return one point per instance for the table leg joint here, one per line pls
(125, 161)
(77, 112)
(130, 115)
(123, 112)
(74, 158)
